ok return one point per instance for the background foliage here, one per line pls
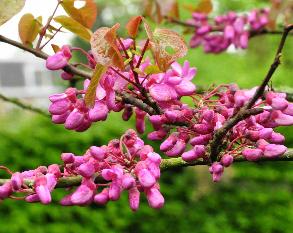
(252, 197)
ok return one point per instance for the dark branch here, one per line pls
(167, 164)
(246, 111)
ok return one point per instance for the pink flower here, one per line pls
(60, 59)
(175, 83)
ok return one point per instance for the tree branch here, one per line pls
(246, 110)
(216, 29)
(272, 69)
(22, 105)
(129, 99)
(166, 164)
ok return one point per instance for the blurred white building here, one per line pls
(27, 78)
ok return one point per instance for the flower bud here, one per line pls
(227, 160)
(146, 179)
(86, 169)
(128, 181)
(59, 107)
(102, 197)
(99, 112)
(252, 154)
(5, 190)
(168, 143)
(74, 119)
(274, 151)
(177, 149)
(155, 198)
(133, 197)
(114, 191)
(16, 181)
(98, 153)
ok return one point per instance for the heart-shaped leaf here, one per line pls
(90, 94)
(9, 8)
(28, 28)
(104, 47)
(85, 15)
(167, 46)
(74, 26)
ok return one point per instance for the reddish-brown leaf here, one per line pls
(283, 8)
(133, 25)
(174, 10)
(104, 47)
(204, 6)
(156, 10)
(28, 28)
(86, 15)
(152, 9)
(90, 94)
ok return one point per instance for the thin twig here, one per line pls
(252, 33)
(22, 105)
(44, 29)
(69, 68)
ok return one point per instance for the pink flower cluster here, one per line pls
(125, 164)
(42, 179)
(69, 108)
(185, 131)
(253, 137)
(226, 30)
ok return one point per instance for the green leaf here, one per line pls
(9, 8)
(90, 94)
(86, 15)
(74, 26)
(28, 28)
(152, 69)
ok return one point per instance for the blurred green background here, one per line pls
(255, 198)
